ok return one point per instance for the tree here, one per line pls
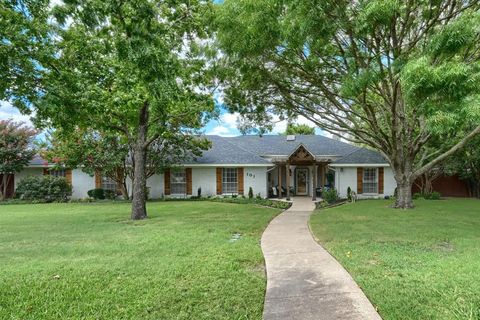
(24, 27)
(390, 74)
(16, 151)
(133, 69)
(109, 154)
(293, 129)
(93, 152)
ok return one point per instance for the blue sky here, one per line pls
(225, 125)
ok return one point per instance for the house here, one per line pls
(233, 165)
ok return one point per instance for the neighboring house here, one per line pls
(234, 164)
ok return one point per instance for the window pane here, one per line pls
(57, 173)
(229, 181)
(108, 184)
(178, 182)
(370, 183)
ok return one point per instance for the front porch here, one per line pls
(299, 174)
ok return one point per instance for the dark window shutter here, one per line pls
(359, 180)
(68, 176)
(219, 180)
(98, 180)
(166, 181)
(380, 180)
(188, 173)
(240, 180)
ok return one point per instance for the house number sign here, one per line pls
(251, 175)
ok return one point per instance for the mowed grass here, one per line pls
(417, 264)
(89, 261)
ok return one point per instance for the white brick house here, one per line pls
(267, 164)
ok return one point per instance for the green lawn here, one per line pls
(418, 264)
(88, 261)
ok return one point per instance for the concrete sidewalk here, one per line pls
(303, 280)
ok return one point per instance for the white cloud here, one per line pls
(221, 131)
(230, 120)
(7, 111)
(278, 126)
(226, 125)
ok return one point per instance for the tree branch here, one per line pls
(445, 155)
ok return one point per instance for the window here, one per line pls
(229, 181)
(178, 182)
(108, 184)
(57, 173)
(370, 181)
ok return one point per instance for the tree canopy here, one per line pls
(24, 47)
(134, 69)
(293, 128)
(387, 74)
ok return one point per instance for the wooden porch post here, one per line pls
(314, 192)
(287, 170)
(323, 175)
(279, 181)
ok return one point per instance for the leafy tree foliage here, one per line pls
(16, 151)
(388, 74)
(135, 70)
(293, 129)
(24, 27)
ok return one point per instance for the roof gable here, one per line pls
(301, 154)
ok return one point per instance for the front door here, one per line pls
(302, 181)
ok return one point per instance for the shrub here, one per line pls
(199, 192)
(110, 194)
(427, 196)
(44, 188)
(416, 195)
(97, 194)
(331, 196)
(349, 194)
(257, 201)
(432, 196)
(250, 193)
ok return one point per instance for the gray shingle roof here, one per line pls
(226, 151)
(362, 155)
(250, 149)
(38, 161)
(278, 145)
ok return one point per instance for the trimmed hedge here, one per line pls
(259, 201)
(102, 194)
(97, 194)
(428, 196)
(43, 189)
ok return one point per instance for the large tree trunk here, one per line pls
(404, 192)
(139, 196)
(139, 209)
(3, 191)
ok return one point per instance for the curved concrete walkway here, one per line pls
(303, 280)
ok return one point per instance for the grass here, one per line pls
(88, 261)
(417, 264)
